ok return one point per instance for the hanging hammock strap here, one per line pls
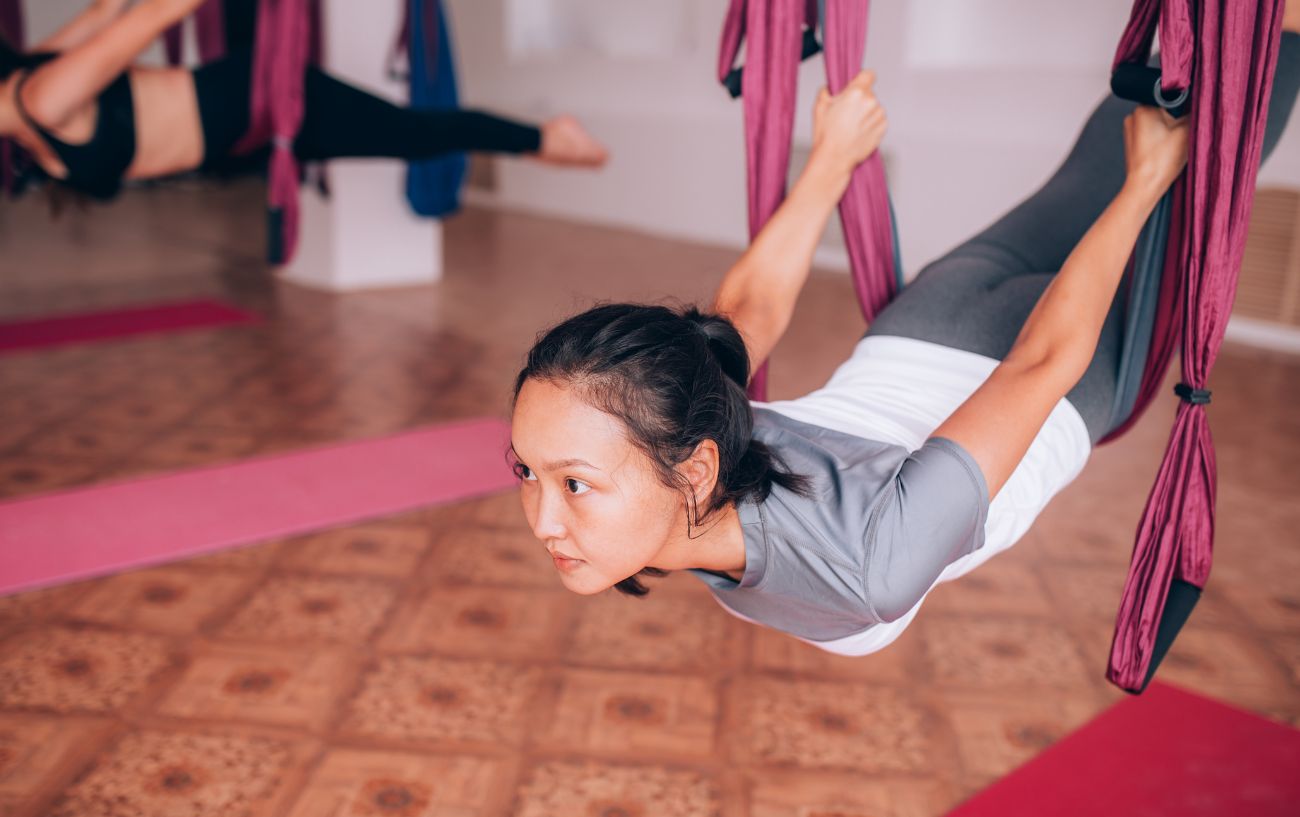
(774, 32)
(1227, 62)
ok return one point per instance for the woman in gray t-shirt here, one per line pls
(640, 453)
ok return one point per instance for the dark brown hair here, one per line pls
(674, 378)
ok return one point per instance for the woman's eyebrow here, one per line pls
(569, 463)
(558, 464)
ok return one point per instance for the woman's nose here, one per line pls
(548, 518)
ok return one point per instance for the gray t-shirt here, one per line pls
(869, 540)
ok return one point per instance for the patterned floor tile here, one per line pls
(38, 605)
(606, 714)
(604, 790)
(270, 685)
(166, 599)
(831, 726)
(672, 633)
(189, 447)
(164, 774)
(25, 474)
(39, 753)
(901, 663)
(1271, 603)
(503, 510)
(78, 441)
(479, 621)
(976, 652)
(818, 794)
(430, 700)
(1288, 649)
(249, 558)
(507, 557)
(311, 608)
(149, 412)
(351, 783)
(1004, 586)
(358, 550)
(1076, 533)
(78, 670)
(1225, 665)
(246, 415)
(995, 734)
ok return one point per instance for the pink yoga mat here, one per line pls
(87, 532)
(91, 326)
(1164, 753)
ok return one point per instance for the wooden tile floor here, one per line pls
(431, 664)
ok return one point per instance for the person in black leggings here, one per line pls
(91, 119)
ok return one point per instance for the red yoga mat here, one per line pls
(86, 532)
(85, 327)
(1165, 753)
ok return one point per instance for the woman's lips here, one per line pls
(564, 564)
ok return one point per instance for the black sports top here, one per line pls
(95, 167)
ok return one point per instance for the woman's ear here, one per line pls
(701, 471)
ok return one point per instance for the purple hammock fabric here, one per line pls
(772, 30)
(283, 48)
(1228, 60)
(209, 30)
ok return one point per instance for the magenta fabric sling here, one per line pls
(1227, 59)
(209, 30)
(772, 31)
(282, 51)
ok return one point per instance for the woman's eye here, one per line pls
(576, 488)
(524, 472)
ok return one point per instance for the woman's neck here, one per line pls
(717, 544)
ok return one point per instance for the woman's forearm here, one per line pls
(769, 276)
(1065, 325)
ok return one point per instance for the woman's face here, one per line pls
(591, 496)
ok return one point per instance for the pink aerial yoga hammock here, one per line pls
(1226, 59)
(210, 31)
(772, 30)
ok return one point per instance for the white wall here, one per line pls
(984, 97)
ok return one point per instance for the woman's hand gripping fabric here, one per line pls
(849, 126)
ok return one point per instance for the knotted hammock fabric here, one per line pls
(282, 50)
(773, 33)
(1227, 59)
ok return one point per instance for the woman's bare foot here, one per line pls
(1291, 16)
(566, 143)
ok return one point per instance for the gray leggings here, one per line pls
(978, 296)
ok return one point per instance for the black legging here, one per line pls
(342, 121)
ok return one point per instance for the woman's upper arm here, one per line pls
(61, 87)
(997, 424)
(758, 325)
